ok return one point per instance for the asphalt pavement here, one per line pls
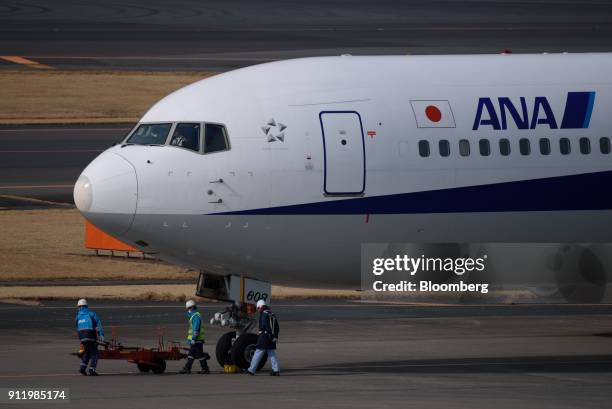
(333, 354)
(189, 35)
(45, 161)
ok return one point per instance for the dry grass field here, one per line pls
(156, 292)
(49, 96)
(48, 245)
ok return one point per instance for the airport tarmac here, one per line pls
(193, 35)
(335, 354)
(44, 161)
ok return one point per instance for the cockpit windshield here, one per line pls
(187, 136)
(150, 134)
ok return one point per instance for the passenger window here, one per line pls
(464, 147)
(424, 148)
(565, 146)
(504, 147)
(524, 146)
(604, 145)
(215, 138)
(585, 146)
(485, 147)
(150, 134)
(444, 147)
(544, 146)
(187, 136)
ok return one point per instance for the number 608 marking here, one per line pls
(256, 296)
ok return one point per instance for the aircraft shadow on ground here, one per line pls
(586, 363)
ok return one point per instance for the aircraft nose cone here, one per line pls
(106, 193)
(83, 195)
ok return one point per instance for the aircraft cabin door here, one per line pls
(344, 153)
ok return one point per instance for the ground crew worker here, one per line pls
(89, 328)
(195, 338)
(266, 340)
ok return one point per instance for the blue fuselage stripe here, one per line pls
(589, 191)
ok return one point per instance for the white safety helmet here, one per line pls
(261, 303)
(82, 303)
(189, 304)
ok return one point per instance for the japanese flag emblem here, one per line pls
(433, 113)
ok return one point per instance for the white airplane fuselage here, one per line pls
(328, 153)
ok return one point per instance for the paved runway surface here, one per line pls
(44, 161)
(336, 354)
(208, 35)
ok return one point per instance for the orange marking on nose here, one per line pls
(24, 61)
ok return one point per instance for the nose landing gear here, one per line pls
(238, 350)
(238, 346)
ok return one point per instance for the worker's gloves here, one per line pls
(191, 342)
(274, 340)
(101, 339)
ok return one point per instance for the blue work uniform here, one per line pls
(195, 338)
(265, 343)
(195, 333)
(265, 339)
(89, 328)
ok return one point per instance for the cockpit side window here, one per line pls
(187, 135)
(215, 138)
(150, 134)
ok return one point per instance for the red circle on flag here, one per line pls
(433, 113)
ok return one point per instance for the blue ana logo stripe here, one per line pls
(587, 117)
(578, 109)
(502, 112)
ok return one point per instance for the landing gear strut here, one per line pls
(238, 346)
